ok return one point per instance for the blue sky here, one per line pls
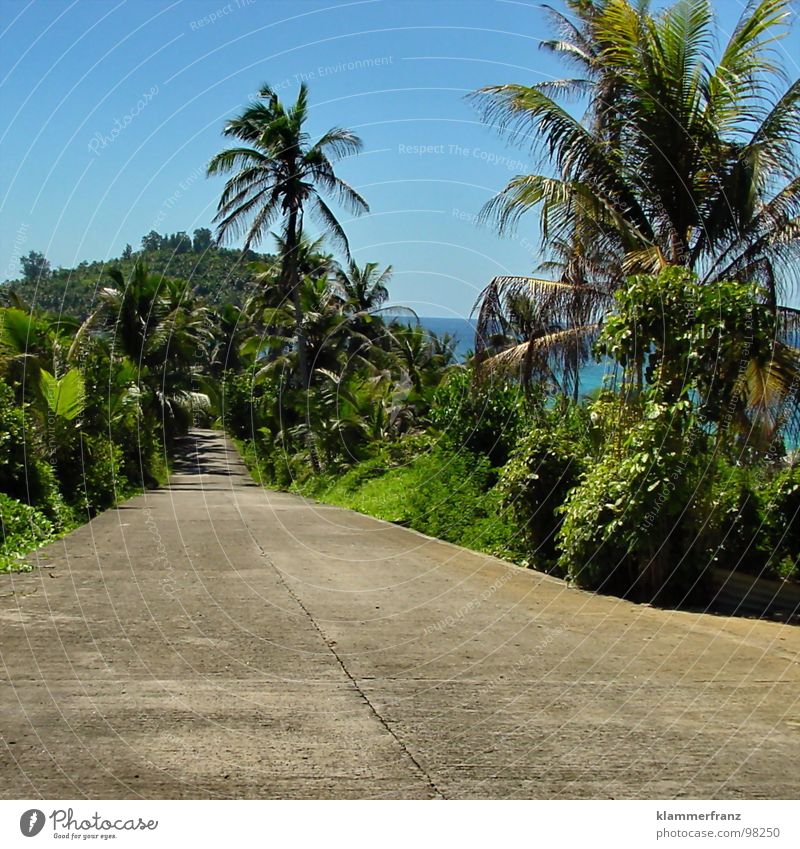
(114, 108)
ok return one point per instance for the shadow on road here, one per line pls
(197, 455)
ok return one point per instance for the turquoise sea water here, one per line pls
(463, 330)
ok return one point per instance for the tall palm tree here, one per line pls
(278, 173)
(685, 156)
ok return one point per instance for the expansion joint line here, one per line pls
(417, 765)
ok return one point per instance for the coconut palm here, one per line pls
(421, 357)
(159, 325)
(685, 156)
(363, 289)
(533, 328)
(277, 173)
(230, 324)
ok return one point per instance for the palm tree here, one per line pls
(362, 292)
(230, 324)
(682, 158)
(159, 325)
(278, 173)
(529, 327)
(363, 289)
(421, 357)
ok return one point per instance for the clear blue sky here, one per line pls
(171, 73)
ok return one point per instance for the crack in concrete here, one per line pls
(423, 773)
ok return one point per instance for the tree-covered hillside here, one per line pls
(220, 275)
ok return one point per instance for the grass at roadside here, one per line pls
(445, 494)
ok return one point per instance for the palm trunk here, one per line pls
(292, 278)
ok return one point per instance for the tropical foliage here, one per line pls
(668, 216)
(88, 408)
(669, 223)
(686, 155)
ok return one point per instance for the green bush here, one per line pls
(442, 493)
(495, 529)
(24, 473)
(632, 527)
(103, 483)
(240, 399)
(22, 528)
(448, 493)
(484, 417)
(757, 520)
(781, 505)
(738, 538)
(90, 467)
(543, 469)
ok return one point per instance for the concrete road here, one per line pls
(213, 639)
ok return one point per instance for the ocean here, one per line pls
(463, 331)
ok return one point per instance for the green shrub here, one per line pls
(780, 501)
(443, 493)
(240, 399)
(543, 469)
(495, 529)
(632, 526)
(90, 467)
(738, 538)
(22, 528)
(484, 417)
(448, 493)
(103, 483)
(25, 474)
(757, 520)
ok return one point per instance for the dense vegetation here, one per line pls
(669, 219)
(219, 275)
(88, 408)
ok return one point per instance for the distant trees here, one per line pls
(178, 243)
(152, 241)
(34, 266)
(203, 240)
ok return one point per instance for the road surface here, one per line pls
(213, 639)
